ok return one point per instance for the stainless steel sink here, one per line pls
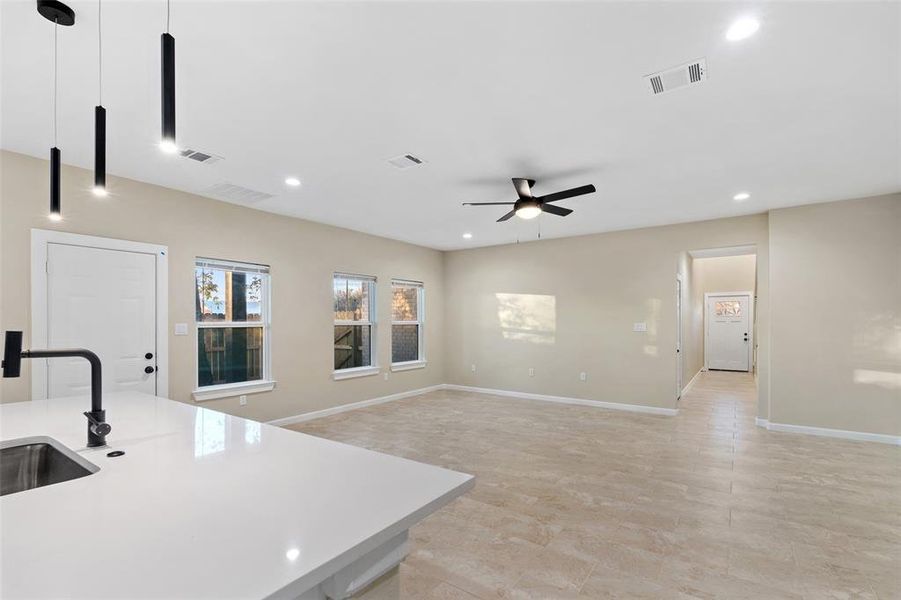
(32, 462)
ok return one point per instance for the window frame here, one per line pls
(266, 383)
(421, 361)
(373, 367)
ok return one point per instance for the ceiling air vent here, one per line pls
(405, 161)
(236, 193)
(681, 76)
(199, 156)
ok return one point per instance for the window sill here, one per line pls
(215, 392)
(356, 372)
(409, 365)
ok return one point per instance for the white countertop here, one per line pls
(202, 505)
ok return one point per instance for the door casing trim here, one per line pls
(40, 239)
(751, 322)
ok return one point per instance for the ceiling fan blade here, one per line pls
(523, 186)
(578, 191)
(555, 210)
(488, 203)
(507, 216)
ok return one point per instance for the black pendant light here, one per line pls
(167, 45)
(99, 118)
(59, 14)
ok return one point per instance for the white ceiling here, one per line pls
(807, 110)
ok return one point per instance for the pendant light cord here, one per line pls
(99, 55)
(55, 84)
(167, 16)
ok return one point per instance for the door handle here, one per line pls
(149, 370)
(149, 355)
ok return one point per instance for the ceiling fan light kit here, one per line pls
(527, 209)
(529, 206)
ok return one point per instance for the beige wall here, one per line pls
(715, 274)
(725, 273)
(567, 305)
(835, 282)
(302, 256)
(685, 271)
(558, 306)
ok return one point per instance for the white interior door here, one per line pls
(103, 300)
(728, 320)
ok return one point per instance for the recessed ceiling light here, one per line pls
(742, 28)
(467, 236)
(292, 554)
(741, 196)
(292, 181)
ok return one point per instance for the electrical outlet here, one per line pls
(473, 368)
(531, 372)
(242, 400)
(386, 375)
(583, 376)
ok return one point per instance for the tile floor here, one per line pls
(578, 502)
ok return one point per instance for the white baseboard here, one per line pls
(860, 436)
(691, 382)
(318, 414)
(653, 410)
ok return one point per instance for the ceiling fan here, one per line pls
(529, 206)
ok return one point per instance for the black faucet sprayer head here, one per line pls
(12, 354)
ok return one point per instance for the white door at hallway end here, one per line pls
(103, 300)
(728, 339)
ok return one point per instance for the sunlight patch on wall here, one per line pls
(652, 318)
(883, 379)
(527, 317)
(877, 337)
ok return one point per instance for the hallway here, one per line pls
(579, 502)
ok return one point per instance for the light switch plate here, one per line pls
(642, 326)
(181, 329)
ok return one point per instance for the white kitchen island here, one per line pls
(206, 505)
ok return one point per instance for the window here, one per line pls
(728, 308)
(354, 324)
(406, 323)
(232, 314)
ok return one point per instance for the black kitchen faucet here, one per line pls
(13, 354)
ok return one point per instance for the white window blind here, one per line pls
(407, 319)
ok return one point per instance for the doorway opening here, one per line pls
(716, 310)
